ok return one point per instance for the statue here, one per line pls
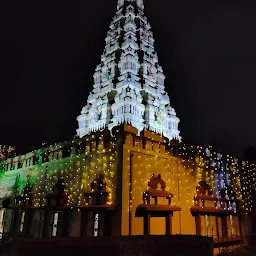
(59, 188)
(156, 189)
(99, 194)
(203, 188)
(99, 184)
(155, 181)
(58, 197)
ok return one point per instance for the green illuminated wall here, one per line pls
(76, 162)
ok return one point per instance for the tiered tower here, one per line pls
(129, 82)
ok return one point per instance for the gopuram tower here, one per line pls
(129, 82)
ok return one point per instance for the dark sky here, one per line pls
(49, 50)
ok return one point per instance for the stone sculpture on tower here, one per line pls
(129, 82)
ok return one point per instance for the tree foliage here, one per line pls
(6, 152)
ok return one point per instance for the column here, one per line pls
(146, 224)
(198, 225)
(28, 222)
(107, 224)
(83, 224)
(224, 227)
(168, 223)
(217, 228)
(46, 223)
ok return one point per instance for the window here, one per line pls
(20, 164)
(2, 212)
(66, 152)
(96, 225)
(28, 163)
(232, 225)
(55, 224)
(22, 221)
(207, 224)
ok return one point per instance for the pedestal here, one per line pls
(147, 211)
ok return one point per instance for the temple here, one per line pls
(127, 174)
(129, 81)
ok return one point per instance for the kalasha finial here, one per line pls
(140, 3)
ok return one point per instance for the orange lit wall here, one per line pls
(181, 180)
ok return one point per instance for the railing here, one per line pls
(232, 240)
(235, 246)
(234, 252)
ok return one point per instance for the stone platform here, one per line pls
(174, 245)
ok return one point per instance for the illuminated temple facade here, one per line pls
(128, 163)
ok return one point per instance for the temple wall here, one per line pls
(127, 161)
(180, 180)
(77, 170)
(145, 156)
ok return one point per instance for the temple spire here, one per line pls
(129, 81)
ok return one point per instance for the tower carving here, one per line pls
(129, 82)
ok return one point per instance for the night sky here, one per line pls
(49, 50)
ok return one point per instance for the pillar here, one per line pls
(198, 225)
(146, 224)
(117, 220)
(168, 220)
